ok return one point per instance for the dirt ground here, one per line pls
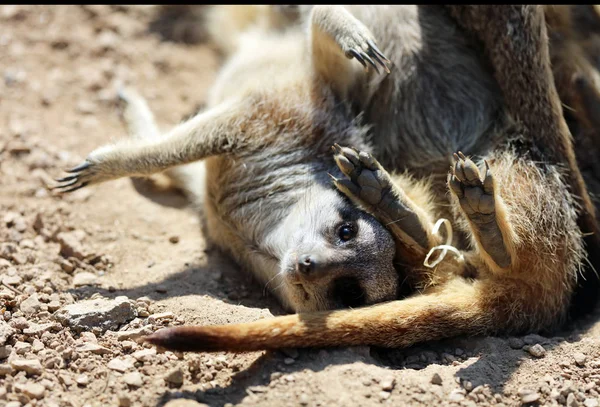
(60, 66)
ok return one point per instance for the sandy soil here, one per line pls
(60, 67)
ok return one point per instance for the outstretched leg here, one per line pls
(370, 186)
(216, 131)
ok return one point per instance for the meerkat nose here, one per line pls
(306, 264)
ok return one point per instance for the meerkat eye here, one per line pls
(346, 232)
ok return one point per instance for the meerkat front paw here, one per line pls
(96, 168)
(358, 43)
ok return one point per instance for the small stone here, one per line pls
(528, 396)
(388, 384)
(537, 351)
(289, 361)
(590, 402)
(93, 348)
(304, 400)
(144, 355)
(31, 305)
(160, 316)
(124, 400)
(12, 280)
(120, 365)
(70, 244)
(133, 379)
(5, 351)
(6, 331)
(98, 313)
(34, 390)
(580, 358)
(5, 369)
(572, 401)
(134, 333)
(66, 265)
(456, 395)
(38, 329)
(82, 380)
(384, 395)
(30, 366)
(185, 403)
(436, 379)
(37, 345)
(516, 343)
(22, 347)
(85, 278)
(174, 239)
(175, 377)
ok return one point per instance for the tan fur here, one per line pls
(273, 118)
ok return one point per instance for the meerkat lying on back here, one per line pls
(279, 105)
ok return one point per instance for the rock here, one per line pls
(572, 401)
(174, 239)
(6, 331)
(5, 369)
(12, 280)
(66, 265)
(22, 347)
(70, 244)
(5, 351)
(528, 396)
(436, 379)
(120, 365)
(82, 380)
(289, 361)
(30, 366)
(93, 348)
(590, 402)
(537, 350)
(134, 333)
(174, 377)
(388, 384)
(85, 278)
(99, 313)
(152, 319)
(144, 355)
(34, 390)
(38, 329)
(516, 343)
(456, 395)
(31, 305)
(184, 403)
(580, 358)
(133, 379)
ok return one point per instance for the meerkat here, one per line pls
(281, 102)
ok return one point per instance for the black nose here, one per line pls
(306, 264)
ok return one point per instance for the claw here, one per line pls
(358, 57)
(68, 184)
(69, 178)
(74, 188)
(455, 156)
(377, 51)
(80, 167)
(461, 155)
(379, 61)
(368, 58)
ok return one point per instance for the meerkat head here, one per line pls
(336, 256)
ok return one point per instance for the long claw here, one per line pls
(75, 188)
(358, 57)
(80, 167)
(368, 58)
(377, 51)
(68, 184)
(69, 178)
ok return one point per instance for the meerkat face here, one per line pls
(337, 257)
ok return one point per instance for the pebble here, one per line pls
(133, 379)
(82, 380)
(174, 239)
(34, 390)
(120, 365)
(85, 278)
(12, 280)
(144, 355)
(152, 319)
(528, 396)
(184, 403)
(516, 343)
(456, 395)
(5, 369)
(580, 358)
(30, 366)
(99, 313)
(31, 305)
(289, 361)
(38, 329)
(175, 377)
(590, 402)
(388, 384)
(70, 244)
(66, 265)
(6, 331)
(93, 348)
(572, 401)
(537, 350)
(436, 379)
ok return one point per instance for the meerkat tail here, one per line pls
(458, 309)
